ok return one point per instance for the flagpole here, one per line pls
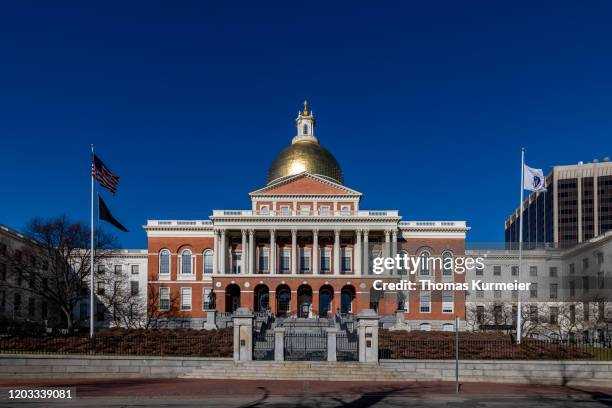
(91, 232)
(520, 266)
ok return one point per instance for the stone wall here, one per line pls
(571, 373)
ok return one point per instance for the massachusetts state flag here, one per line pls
(533, 179)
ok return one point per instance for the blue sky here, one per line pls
(424, 104)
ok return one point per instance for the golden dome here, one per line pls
(305, 155)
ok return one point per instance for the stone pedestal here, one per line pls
(279, 344)
(243, 334)
(400, 323)
(367, 329)
(210, 320)
(331, 344)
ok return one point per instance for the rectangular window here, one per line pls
(585, 284)
(325, 260)
(118, 269)
(515, 294)
(600, 258)
(425, 302)
(572, 316)
(304, 210)
(479, 271)
(496, 270)
(585, 264)
(185, 298)
(134, 289)
(553, 290)
(208, 262)
(533, 290)
(284, 210)
(305, 260)
(100, 288)
(264, 259)
(480, 293)
(324, 210)
(533, 271)
(164, 298)
(554, 313)
(553, 272)
(347, 259)
(236, 262)
(497, 294)
(515, 270)
(207, 299)
(135, 269)
(285, 260)
(572, 268)
(101, 269)
(572, 288)
(447, 302)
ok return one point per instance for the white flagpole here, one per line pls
(91, 232)
(520, 266)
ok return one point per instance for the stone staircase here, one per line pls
(295, 370)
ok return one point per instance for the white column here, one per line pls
(243, 255)
(337, 252)
(387, 251)
(315, 252)
(222, 254)
(294, 262)
(216, 251)
(366, 253)
(272, 252)
(394, 246)
(358, 247)
(251, 251)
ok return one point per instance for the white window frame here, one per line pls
(264, 209)
(325, 210)
(284, 255)
(422, 294)
(207, 252)
(135, 266)
(236, 262)
(323, 252)
(264, 253)
(305, 254)
(445, 271)
(162, 297)
(424, 267)
(346, 252)
(304, 210)
(159, 257)
(182, 275)
(448, 307)
(425, 326)
(345, 210)
(448, 327)
(185, 291)
(285, 210)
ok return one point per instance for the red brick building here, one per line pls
(304, 248)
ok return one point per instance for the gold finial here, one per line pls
(305, 112)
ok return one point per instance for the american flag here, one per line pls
(105, 177)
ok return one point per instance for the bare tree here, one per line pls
(155, 313)
(124, 307)
(57, 267)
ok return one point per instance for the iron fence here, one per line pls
(216, 344)
(305, 346)
(263, 345)
(347, 346)
(484, 349)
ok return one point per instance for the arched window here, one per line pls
(208, 261)
(447, 264)
(186, 262)
(425, 263)
(164, 262)
(305, 130)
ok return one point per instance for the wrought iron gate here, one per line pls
(263, 345)
(306, 346)
(347, 346)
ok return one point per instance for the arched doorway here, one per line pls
(283, 300)
(232, 298)
(326, 296)
(261, 301)
(304, 294)
(347, 295)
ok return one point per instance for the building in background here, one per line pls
(304, 248)
(570, 294)
(576, 207)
